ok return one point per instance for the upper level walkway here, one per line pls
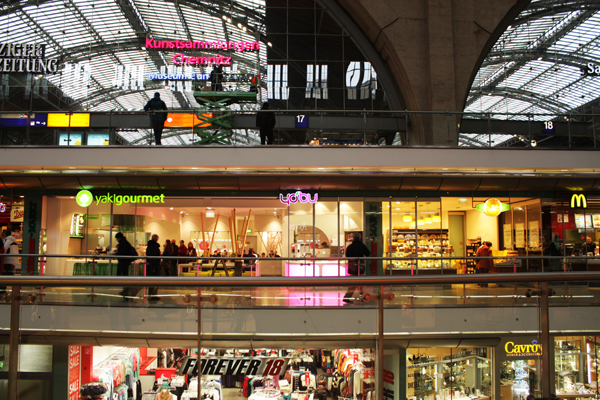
(93, 310)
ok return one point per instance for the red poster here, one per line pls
(74, 371)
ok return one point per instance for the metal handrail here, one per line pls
(93, 281)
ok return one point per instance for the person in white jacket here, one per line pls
(10, 263)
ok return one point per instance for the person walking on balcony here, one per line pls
(158, 118)
(355, 267)
(153, 264)
(484, 265)
(265, 121)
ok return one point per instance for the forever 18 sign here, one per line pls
(262, 366)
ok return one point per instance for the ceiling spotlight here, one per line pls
(171, 208)
(533, 143)
(540, 58)
(224, 17)
(269, 44)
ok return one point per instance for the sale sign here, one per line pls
(74, 371)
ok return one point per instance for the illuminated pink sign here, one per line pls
(293, 198)
(180, 59)
(200, 44)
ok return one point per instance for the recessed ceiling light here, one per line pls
(320, 168)
(564, 170)
(171, 208)
(194, 167)
(71, 167)
(180, 212)
(444, 169)
(72, 197)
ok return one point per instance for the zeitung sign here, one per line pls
(26, 57)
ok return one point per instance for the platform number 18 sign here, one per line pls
(549, 127)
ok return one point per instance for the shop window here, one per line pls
(277, 82)
(129, 77)
(316, 82)
(361, 75)
(448, 373)
(70, 139)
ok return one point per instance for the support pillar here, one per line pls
(13, 358)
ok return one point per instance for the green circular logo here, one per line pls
(84, 198)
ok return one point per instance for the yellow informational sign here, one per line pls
(62, 120)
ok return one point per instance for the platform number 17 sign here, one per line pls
(302, 121)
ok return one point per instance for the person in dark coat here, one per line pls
(153, 264)
(216, 78)
(123, 249)
(265, 121)
(158, 119)
(356, 249)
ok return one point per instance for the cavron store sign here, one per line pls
(578, 201)
(261, 366)
(85, 198)
(522, 350)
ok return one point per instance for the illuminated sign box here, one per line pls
(186, 120)
(61, 120)
(20, 120)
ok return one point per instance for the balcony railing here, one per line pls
(199, 127)
(199, 294)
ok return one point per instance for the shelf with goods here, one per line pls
(426, 243)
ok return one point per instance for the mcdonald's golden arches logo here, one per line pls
(578, 201)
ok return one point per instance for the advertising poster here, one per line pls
(507, 229)
(519, 235)
(74, 369)
(534, 234)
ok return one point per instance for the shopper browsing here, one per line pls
(355, 249)
(484, 265)
(153, 264)
(10, 263)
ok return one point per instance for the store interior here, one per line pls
(426, 228)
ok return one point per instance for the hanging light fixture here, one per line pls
(437, 218)
(407, 218)
(412, 225)
(420, 221)
(428, 220)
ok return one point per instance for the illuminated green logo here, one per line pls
(84, 198)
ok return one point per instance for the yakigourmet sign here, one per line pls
(85, 198)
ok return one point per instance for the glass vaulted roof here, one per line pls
(538, 67)
(96, 37)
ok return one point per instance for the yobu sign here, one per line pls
(85, 198)
(260, 366)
